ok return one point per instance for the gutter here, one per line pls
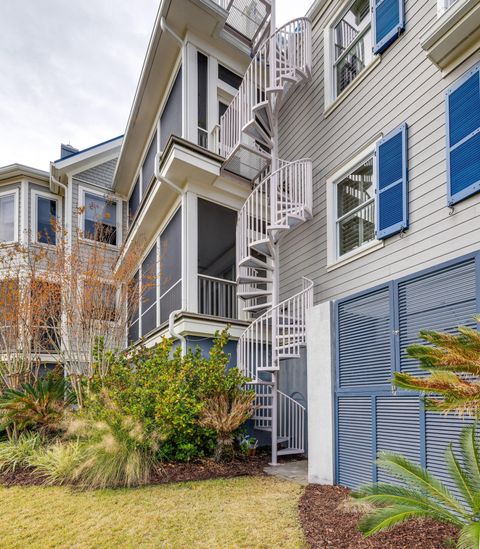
(159, 177)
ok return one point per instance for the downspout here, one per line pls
(56, 181)
(173, 331)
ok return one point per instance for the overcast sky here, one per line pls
(69, 70)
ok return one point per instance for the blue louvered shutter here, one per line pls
(392, 183)
(463, 137)
(388, 21)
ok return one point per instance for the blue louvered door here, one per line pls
(373, 331)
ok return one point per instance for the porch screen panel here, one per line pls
(133, 310)
(171, 267)
(149, 164)
(149, 292)
(171, 119)
(441, 300)
(364, 341)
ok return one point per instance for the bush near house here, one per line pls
(147, 406)
(451, 386)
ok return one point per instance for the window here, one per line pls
(355, 212)
(229, 77)
(46, 218)
(8, 213)
(202, 99)
(100, 301)
(352, 44)
(100, 214)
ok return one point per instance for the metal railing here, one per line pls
(291, 423)
(259, 349)
(291, 58)
(217, 297)
(282, 193)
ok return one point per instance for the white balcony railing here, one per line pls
(217, 297)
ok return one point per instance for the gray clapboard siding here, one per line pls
(404, 86)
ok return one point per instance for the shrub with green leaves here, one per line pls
(167, 392)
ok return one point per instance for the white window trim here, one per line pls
(15, 193)
(443, 6)
(50, 196)
(333, 259)
(331, 98)
(81, 216)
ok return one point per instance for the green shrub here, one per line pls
(15, 455)
(58, 462)
(38, 406)
(168, 391)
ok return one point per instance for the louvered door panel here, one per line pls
(441, 300)
(354, 440)
(397, 428)
(364, 335)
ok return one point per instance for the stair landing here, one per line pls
(294, 471)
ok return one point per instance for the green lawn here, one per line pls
(243, 512)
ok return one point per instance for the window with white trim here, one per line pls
(100, 218)
(47, 214)
(355, 209)
(8, 217)
(351, 44)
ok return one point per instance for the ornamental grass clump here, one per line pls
(17, 454)
(58, 462)
(225, 415)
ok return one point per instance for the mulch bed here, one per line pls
(204, 469)
(208, 469)
(329, 522)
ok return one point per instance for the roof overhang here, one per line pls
(208, 19)
(20, 171)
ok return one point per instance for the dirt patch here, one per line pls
(21, 477)
(329, 521)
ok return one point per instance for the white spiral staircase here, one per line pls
(280, 200)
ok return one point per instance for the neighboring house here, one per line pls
(75, 194)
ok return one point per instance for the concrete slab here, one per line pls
(295, 471)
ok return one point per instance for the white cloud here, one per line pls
(70, 69)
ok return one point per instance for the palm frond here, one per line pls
(460, 477)
(382, 495)
(387, 517)
(419, 479)
(469, 537)
(471, 455)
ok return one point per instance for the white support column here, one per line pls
(320, 372)
(190, 252)
(24, 199)
(190, 100)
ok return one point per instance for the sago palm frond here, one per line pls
(420, 479)
(469, 537)
(422, 495)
